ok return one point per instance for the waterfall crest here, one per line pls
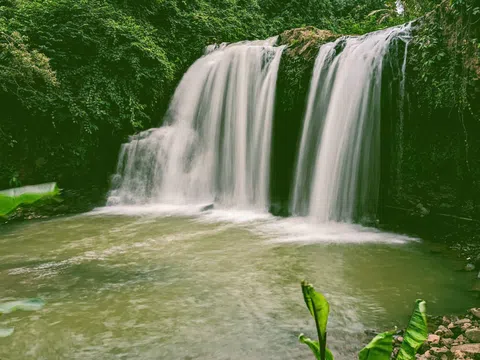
(338, 168)
(215, 143)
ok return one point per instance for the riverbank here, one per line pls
(451, 337)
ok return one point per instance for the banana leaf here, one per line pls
(319, 309)
(315, 347)
(416, 333)
(380, 348)
(12, 198)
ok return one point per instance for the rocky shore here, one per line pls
(452, 337)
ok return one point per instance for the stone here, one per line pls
(466, 326)
(452, 327)
(469, 267)
(468, 349)
(443, 331)
(460, 339)
(475, 311)
(446, 342)
(433, 340)
(399, 339)
(473, 335)
(439, 352)
(446, 321)
(462, 321)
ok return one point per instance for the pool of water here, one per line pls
(134, 283)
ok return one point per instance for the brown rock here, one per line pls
(446, 321)
(462, 321)
(444, 332)
(446, 342)
(473, 335)
(466, 326)
(468, 349)
(460, 340)
(433, 340)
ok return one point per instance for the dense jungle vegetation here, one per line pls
(77, 77)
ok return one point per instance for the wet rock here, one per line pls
(446, 321)
(475, 311)
(207, 207)
(473, 335)
(466, 326)
(444, 332)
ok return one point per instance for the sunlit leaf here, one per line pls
(416, 333)
(319, 309)
(380, 348)
(315, 347)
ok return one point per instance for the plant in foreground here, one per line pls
(380, 348)
(25, 305)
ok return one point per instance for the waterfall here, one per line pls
(215, 143)
(338, 168)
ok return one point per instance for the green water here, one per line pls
(151, 287)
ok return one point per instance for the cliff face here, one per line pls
(430, 143)
(293, 84)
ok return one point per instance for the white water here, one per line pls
(215, 144)
(337, 173)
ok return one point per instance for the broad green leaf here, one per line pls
(416, 333)
(5, 332)
(12, 198)
(380, 348)
(315, 347)
(319, 309)
(25, 305)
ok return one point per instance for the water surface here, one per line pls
(132, 284)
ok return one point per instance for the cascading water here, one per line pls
(337, 174)
(215, 144)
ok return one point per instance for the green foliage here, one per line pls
(77, 77)
(416, 333)
(380, 348)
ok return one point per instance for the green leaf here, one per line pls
(319, 309)
(416, 333)
(5, 332)
(315, 347)
(380, 348)
(24, 305)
